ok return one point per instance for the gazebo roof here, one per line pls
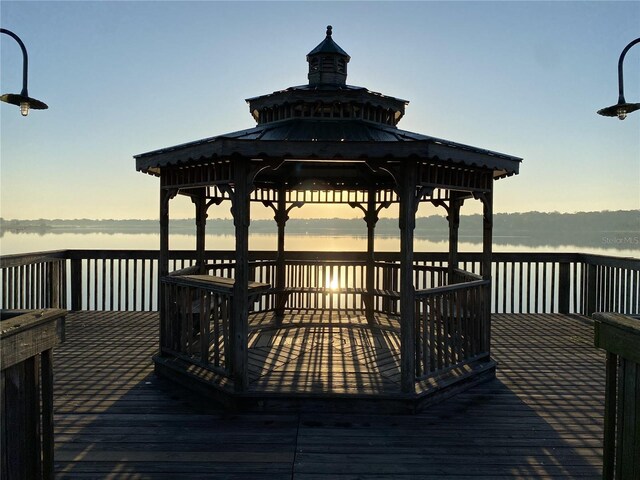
(310, 139)
(326, 92)
(327, 120)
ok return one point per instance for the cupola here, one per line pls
(328, 62)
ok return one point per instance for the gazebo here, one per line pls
(243, 329)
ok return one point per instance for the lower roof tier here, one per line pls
(327, 141)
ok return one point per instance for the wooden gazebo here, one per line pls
(228, 327)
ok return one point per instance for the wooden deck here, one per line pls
(323, 352)
(540, 418)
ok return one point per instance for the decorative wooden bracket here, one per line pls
(370, 217)
(279, 216)
(487, 201)
(167, 195)
(441, 203)
(487, 204)
(214, 201)
(251, 172)
(422, 192)
(226, 189)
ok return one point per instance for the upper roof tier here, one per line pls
(327, 95)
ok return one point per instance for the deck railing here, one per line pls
(26, 385)
(619, 335)
(33, 280)
(127, 279)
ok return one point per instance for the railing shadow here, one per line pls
(541, 418)
(486, 432)
(318, 352)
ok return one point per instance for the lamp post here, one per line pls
(622, 108)
(23, 100)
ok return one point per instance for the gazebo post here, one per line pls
(371, 217)
(408, 204)
(200, 202)
(487, 243)
(239, 322)
(454, 224)
(281, 218)
(163, 263)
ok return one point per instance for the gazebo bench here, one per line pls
(283, 294)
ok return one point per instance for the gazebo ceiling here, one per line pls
(328, 121)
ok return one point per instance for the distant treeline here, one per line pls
(529, 224)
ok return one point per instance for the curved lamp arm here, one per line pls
(23, 100)
(622, 108)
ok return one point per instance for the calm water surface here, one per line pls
(33, 242)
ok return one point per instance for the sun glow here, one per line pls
(333, 284)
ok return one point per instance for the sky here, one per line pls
(127, 77)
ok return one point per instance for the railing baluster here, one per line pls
(11, 287)
(552, 308)
(216, 329)
(512, 292)
(111, 284)
(135, 284)
(529, 287)
(95, 284)
(3, 279)
(496, 284)
(19, 288)
(618, 289)
(119, 286)
(152, 289)
(32, 286)
(143, 289)
(537, 287)
(635, 293)
(103, 262)
(126, 284)
(574, 287)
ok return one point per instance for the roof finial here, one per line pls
(329, 27)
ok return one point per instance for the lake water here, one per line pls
(618, 245)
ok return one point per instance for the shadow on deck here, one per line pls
(541, 418)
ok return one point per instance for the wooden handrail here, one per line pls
(451, 288)
(20, 259)
(128, 279)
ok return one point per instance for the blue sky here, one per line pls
(122, 78)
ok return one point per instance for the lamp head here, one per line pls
(24, 102)
(620, 110)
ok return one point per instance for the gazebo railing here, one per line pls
(450, 327)
(462, 276)
(127, 279)
(197, 324)
(387, 282)
(318, 284)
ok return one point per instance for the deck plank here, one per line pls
(541, 418)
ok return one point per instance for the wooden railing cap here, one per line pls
(618, 334)
(623, 322)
